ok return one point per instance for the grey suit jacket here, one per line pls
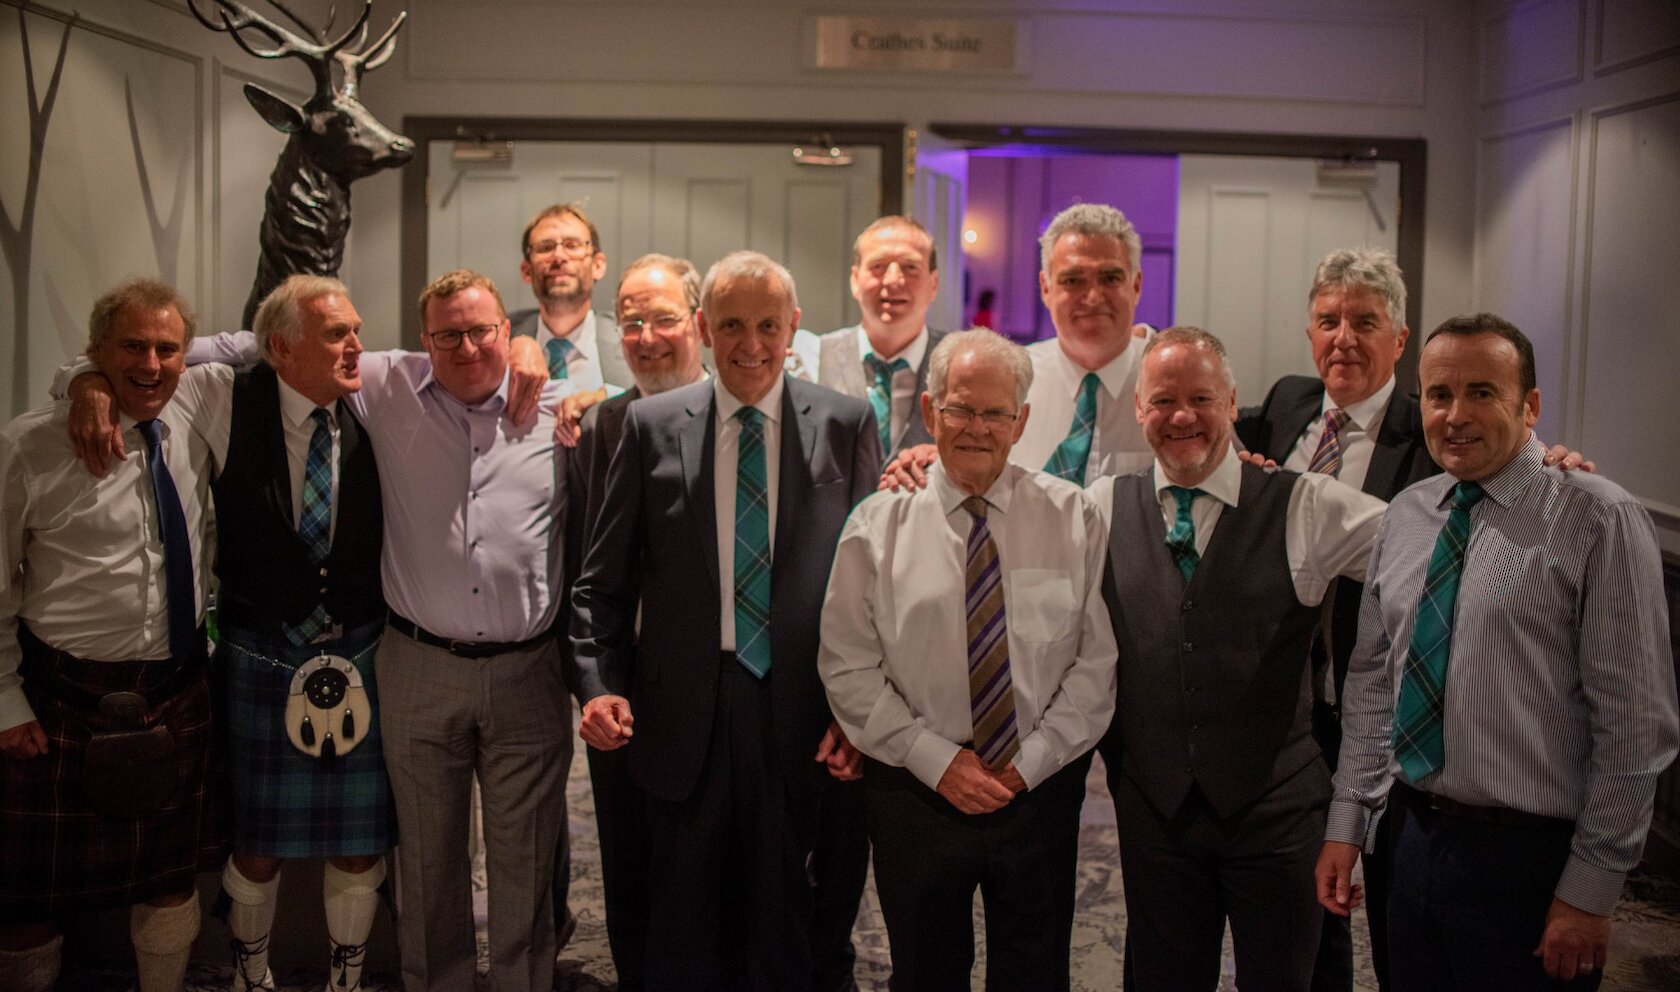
(614, 371)
(841, 368)
(655, 541)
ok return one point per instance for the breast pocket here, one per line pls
(1039, 604)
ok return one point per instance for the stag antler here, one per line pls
(315, 51)
(373, 56)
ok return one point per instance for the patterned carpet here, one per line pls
(1645, 949)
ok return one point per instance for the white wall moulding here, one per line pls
(1633, 32)
(1632, 250)
(1532, 47)
(923, 44)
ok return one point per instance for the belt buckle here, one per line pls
(463, 648)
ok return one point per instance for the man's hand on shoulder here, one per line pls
(24, 741)
(908, 469)
(1575, 942)
(527, 374)
(1567, 460)
(572, 409)
(607, 723)
(92, 423)
(972, 787)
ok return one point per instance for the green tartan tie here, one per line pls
(1070, 457)
(1181, 540)
(315, 518)
(880, 394)
(1418, 740)
(559, 352)
(752, 547)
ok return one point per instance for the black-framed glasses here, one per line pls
(664, 323)
(450, 340)
(572, 247)
(960, 417)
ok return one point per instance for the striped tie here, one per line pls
(1418, 741)
(315, 519)
(880, 393)
(752, 547)
(1069, 459)
(991, 691)
(559, 352)
(1181, 540)
(1328, 458)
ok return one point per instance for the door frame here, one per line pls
(1412, 154)
(890, 137)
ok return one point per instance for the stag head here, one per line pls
(336, 131)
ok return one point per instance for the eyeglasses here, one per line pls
(664, 323)
(572, 247)
(450, 340)
(960, 416)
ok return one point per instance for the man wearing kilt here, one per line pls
(299, 533)
(104, 707)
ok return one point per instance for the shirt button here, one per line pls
(1188, 647)
(1185, 606)
(475, 590)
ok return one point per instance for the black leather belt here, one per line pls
(464, 649)
(1501, 815)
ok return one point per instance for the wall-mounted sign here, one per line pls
(927, 44)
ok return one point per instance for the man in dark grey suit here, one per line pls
(657, 299)
(722, 508)
(1357, 327)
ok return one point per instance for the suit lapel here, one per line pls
(799, 439)
(1389, 447)
(694, 439)
(915, 431)
(1293, 420)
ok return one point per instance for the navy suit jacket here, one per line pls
(654, 542)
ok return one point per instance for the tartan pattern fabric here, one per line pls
(1181, 540)
(60, 855)
(559, 351)
(1418, 738)
(177, 546)
(285, 803)
(991, 690)
(315, 518)
(752, 547)
(1069, 459)
(1328, 458)
(880, 393)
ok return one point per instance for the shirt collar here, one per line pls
(296, 408)
(951, 496)
(1223, 484)
(496, 401)
(1505, 485)
(770, 404)
(1114, 376)
(1368, 412)
(912, 353)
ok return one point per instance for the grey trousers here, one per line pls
(444, 719)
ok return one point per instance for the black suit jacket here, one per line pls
(1399, 459)
(654, 541)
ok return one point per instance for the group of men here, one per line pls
(780, 668)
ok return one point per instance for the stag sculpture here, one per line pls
(333, 139)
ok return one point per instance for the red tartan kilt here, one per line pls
(58, 854)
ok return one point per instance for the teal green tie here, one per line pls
(559, 351)
(752, 547)
(1070, 457)
(880, 393)
(1419, 742)
(1181, 540)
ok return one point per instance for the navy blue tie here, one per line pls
(177, 548)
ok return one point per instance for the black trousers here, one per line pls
(1468, 900)
(840, 866)
(730, 899)
(1333, 970)
(621, 820)
(929, 859)
(1187, 873)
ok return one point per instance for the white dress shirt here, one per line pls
(1117, 444)
(583, 362)
(80, 558)
(905, 396)
(1357, 438)
(726, 437)
(894, 650)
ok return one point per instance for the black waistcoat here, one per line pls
(266, 576)
(1213, 684)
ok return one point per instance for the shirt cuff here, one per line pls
(14, 708)
(1033, 760)
(1350, 822)
(1588, 887)
(929, 757)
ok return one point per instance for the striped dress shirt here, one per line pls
(1560, 687)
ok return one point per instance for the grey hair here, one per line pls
(1195, 337)
(281, 312)
(682, 268)
(748, 265)
(1366, 268)
(138, 293)
(986, 345)
(1097, 219)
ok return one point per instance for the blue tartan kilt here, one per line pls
(287, 804)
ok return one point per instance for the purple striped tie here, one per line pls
(991, 691)
(1328, 458)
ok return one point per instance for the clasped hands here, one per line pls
(972, 787)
